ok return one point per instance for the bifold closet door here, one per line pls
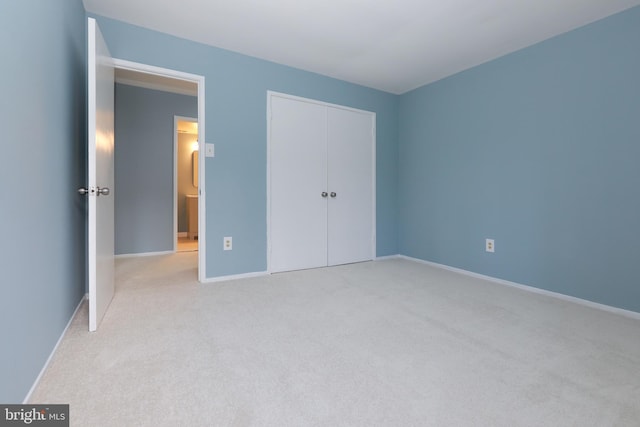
(350, 175)
(298, 179)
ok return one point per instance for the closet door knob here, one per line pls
(324, 194)
(333, 194)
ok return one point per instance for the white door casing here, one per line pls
(100, 168)
(316, 148)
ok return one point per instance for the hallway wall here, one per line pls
(144, 122)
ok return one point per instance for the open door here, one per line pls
(100, 252)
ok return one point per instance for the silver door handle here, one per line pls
(324, 194)
(333, 194)
(98, 191)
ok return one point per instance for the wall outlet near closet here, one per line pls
(489, 245)
(227, 243)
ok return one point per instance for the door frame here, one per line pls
(199, 81)
(270, 95)
(177, 119)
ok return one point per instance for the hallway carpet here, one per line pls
(384, 343)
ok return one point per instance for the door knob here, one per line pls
(333, 194)
(324, 194)
(99, 191)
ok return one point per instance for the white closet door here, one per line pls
(298, 177)
(350, 176)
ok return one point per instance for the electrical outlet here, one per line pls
(489, 245)
(227, 243)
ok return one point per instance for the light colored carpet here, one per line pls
(385, 343)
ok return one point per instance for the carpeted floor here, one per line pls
(385, 343)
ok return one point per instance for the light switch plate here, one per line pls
(209, 150)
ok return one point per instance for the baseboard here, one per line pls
(182, 234)
(235, 277)
(533, 289)
(55, 348)
(144, 254)
(382, 258)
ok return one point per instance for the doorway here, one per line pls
(152, 77)
(186, 151)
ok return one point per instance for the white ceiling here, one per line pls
(152, 81)
(391, 45)
(187, 126)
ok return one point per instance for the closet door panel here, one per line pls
(350, 176)
(298, 177)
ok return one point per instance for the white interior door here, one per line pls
(298, 185)
(101, 175)
(351, 197)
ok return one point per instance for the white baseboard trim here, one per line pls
(235, 277)
(182, 234)
(144, 254)
(55, 348)
(382, 258)
(533, 289)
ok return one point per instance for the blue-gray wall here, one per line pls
(538, 150)
(236, 101)
(42, 218)
(144, 122)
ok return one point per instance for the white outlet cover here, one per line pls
(227, 243)
(490, 245)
